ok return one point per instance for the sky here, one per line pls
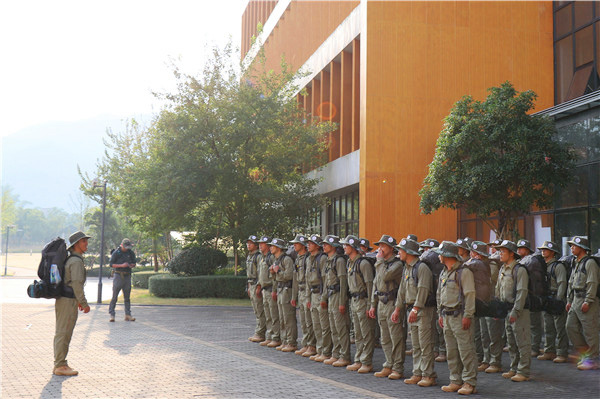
(72, 60)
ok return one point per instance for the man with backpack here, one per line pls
(282, 270)
(315, 264)
(512, 288)
(122, 261)
(360, 285)
(66, 305)
(301, 294)
(557, 343)
(266, 285)
(582, 305)
(456, 306)
(254, 293)
(335, 299)
(533, 262)
(417, 293)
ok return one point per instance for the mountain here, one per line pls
(39, 163)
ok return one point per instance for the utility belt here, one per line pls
(302, 286)
(580, 293)
(268, 288)
(385, 297)
(359, 295)
(252, 281)
(122, 274)
(332, 289)
(451, 312)
(284, 284)
(315, 289)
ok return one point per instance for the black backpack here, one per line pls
(432, 261)
(483, 285)
(539, 281)
(584, 261)
(51, 272)
(369, 259)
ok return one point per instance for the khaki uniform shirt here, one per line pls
(411, 293)
(449, 290)
(334, 274)
(388, 273)
(286, 268)
(558, 282)
(252, 265)
(494, 267)
(505, 288)
(264, 277)
(360, 281)
(299, 285)
(314, 268)
(75, 277)
(584, 282)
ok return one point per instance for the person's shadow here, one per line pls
(121, 337)
(53, 389)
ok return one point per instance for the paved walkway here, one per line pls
(203, 352)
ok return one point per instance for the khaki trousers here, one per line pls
(271, 316)
(583, 328)
(421, 335)
(460, 351)
(259, 312)
(65, 310)
(518, 336)
(393, 338)
(308, 335)
(555, 328)
(340, 328)
(287, 317)
(364, 331)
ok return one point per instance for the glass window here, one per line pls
(594, 188)
(595, 229)
(569, 224)
(563, 22)
(564, 67)
(583, 12)
(594, 138)
(580, 84)
(584, 46)
(576, 193)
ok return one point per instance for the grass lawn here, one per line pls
(140, 296)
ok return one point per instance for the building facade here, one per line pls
(389, 72)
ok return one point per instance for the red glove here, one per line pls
(86, 309)
(371, 313)
(274, 295)
(342, 309)
(441, 321)
(466, 323)
(585, 307)
(258, 291)
(512, 319)
(293, 302)
(324, 305)
(568, 307)
(308, 305)
(79, 306)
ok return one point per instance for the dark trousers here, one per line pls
(121, 282)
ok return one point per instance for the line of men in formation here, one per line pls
(398, 287)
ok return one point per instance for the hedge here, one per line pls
(169, 286)
(140, 279)
(95, 271)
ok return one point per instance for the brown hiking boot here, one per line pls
(560, 359)
(256, 338)
(64, 370)
(547, 356)
(385, 372)
(280, 347)
(365, 369)
(408, 352)
(301, 351)
(341, 363)
(112, 319)
(519, 378)
(426, 382)
(322, 358)
(493, 369)
(395, 375)
(273, 344)
(451, 388)
(129, 317)
(354, 366)
(266, 342)
(330, 361)
(413, 380)
(289, 348)
(509, 374)
(441, 358)
(310, 351)
(483, 367)
(467, 389)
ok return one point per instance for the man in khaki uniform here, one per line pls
(335, 298)
(439, 344)
(555, 331)
(315, 263)
(456, 306)
(582, 305)
(415, 289)
(265, 283)
(66, 306)
(388, 272)
(301, 295)
(283, 271)
(537, 328)
(512, 288)
(360, 285)
(254, 291)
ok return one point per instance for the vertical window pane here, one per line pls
(584, 46)
(583, 12)
(564, 67)
(576, 193)
(595, 228)
(594, 184)
(569, 224)
(563, 21)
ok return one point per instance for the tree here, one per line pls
(493, 159)
(8, 213)
(223, 159)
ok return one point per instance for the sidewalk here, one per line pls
(203, 352)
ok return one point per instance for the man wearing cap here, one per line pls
(335, 297)
(365, 248)
(512, 288)
(315, 264)
(254, 290)
(266, 282)
(388, 272)
(301, 294)
(431, 257)
(526, 253)
(582, 305)
(557, 343)
(360, 284)
(73, 297)
(283, 271)
(456, 306)
(122, 261)
(415, 288)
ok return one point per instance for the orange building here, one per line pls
(388, 73)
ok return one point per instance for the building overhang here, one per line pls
(575, 106)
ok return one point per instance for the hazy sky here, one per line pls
(70, 60)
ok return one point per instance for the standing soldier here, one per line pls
(524, 248)
(319, 316)
(301, 295)
(582, 305)
(439, 347)
(265, 281)
(360, 285)
(366, 249)
(416, 293)
(253, 289)
(456, 306)
(555, 324)
(283, 270)
(512, 288)
(335, 298)
(388, 272)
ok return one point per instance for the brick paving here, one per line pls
(203, 352)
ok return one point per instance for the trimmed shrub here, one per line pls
(94, 272)
(169, 286)
(140, 279)
(197, 261)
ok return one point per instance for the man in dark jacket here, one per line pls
(122, 261)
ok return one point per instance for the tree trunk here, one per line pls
(155, 255)
(235, 260)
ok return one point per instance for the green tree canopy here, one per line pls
(494, 159)
(224, 158)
